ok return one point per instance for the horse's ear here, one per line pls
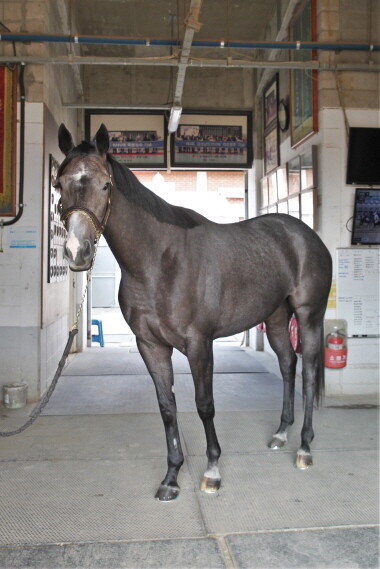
(65, 141)
(102, 140)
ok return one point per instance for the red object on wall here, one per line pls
(335, 351)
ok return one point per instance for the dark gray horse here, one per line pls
(186, 281)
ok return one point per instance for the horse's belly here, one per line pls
(243, 311)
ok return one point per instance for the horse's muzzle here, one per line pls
(79, 254)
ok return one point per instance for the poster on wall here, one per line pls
(137, 139)
(8, 118)
(212, 140)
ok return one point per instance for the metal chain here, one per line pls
(74, 330)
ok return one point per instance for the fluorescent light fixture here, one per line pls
(175, 114)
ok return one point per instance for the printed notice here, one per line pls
(358, 290)
(22, 237)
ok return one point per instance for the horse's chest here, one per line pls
(154, 312)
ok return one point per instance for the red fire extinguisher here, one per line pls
(335, 350)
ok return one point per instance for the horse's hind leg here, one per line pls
(157, 358)
(311, 330)
(278, 335)
(200, 356)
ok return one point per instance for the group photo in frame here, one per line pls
(137, 138)
(213, 140)
(271, 134)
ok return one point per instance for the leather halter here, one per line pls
(99, 226)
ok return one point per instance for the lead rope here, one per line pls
(74, 330)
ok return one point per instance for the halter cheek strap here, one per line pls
(99, 226)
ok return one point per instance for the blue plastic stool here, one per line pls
(99, 336)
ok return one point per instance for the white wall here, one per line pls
(20, 270)
(34, 314)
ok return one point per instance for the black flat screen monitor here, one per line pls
(366, 226)
(363, 160)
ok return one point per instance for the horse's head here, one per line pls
(85, 182)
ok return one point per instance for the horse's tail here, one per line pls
(320, 380)
(320, 376)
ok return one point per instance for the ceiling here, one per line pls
(220, 19)
(151, 75)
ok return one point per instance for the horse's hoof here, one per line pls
(166, 493)
(210, 485)
(304, 460)
(277, 443)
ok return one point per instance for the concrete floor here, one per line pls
(77, 487)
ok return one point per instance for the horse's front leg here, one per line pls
(157, 358)
(200, 356)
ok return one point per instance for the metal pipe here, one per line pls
(173, 62)
(119, 40)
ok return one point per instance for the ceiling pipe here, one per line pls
(173, 62)
(114, 40)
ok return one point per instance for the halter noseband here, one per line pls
(99, 226)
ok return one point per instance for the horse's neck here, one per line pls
(132, 234)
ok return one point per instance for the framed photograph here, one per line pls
(271, 103)
(213, 140)
(137, 138)
(303, 82)
(8, 122)
(272, 188)
(271, 150)
(294, 176)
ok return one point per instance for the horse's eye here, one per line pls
(57, 185)
(106, 186)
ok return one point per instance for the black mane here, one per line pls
(134, 191)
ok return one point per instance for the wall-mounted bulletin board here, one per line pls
(358, 290)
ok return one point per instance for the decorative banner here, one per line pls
(8, 118)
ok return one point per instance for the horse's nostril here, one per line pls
(87, 249)
(66, 253)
